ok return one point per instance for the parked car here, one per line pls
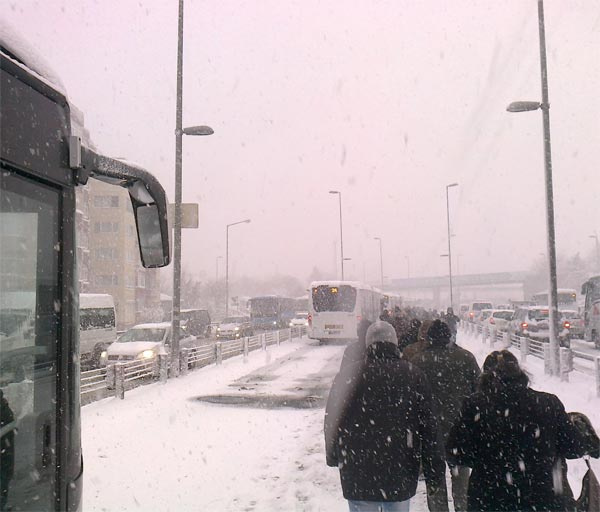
(501, 318)
(196, 322)
(477, 307)
(234, 327)
(574, 322)
(145, 341)
(534, 322)
(299, 320)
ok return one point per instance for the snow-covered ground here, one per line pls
(163, 449)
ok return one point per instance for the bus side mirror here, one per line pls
(148, 198)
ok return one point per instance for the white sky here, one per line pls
(386, 101)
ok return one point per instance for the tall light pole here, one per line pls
(525, 106)
(380, 259)
(341, 231)
(217, 264)
(179, 132)
(246, 221)
(449, 244)
(597, 250)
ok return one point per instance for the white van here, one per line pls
(97, 326)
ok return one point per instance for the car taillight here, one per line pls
(471, 314)
(310, 320)
(492, 321)
(358, 318)
(524, 325)
(567, 325)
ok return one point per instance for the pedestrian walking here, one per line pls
(379, 425)
(513, 438)
(452, 373)
(421, 342)
(356, 352)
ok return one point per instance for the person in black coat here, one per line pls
(513, 437)
(379, 425)
(356, 351)
(452, 373)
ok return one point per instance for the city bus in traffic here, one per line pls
(271, 312)
(42, 162)
(591, 311)
(336, 307)
(97, 326)
(567, 298)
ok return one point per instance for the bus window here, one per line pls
(30, 308)
(334, 298)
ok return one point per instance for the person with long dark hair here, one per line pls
(513, 438)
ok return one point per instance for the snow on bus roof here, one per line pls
(334, 282)
(96, 300)
(21, 51)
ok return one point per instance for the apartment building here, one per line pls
(114, 257)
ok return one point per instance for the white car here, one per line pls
(501, 318)
(145, 341)
(301, 319)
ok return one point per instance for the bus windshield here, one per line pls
(334, 298)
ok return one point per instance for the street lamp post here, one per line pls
(217, 272)
(341, 231)
(597, 250)
(179, 132)
(544, 106)
(246, 221)
(449, 245)
(380, 259)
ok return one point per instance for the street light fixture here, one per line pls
(380, 258)
(449, 245)
(341, 230)
(246, 221)
(544, 106)
(179, 132)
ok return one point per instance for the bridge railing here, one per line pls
(118, 377)
(570, 360)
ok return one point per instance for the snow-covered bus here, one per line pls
(336, 307)
(567, 298)
(97, 326)
(591, 314)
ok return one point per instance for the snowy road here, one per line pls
(240, 436)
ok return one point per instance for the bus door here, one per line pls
(30, 299)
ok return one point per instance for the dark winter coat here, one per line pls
(354, 353)
(452, 373)
(513, 439)
(378, 424)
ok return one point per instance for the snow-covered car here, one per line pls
(574, 322)
(234, 327)
(300, 319)
(483, 316)
(145, 341)
(534, 323)
(501, 318)
(475, 308)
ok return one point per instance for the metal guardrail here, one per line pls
(539, 349)
(119, 376)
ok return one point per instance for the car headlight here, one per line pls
(237, 329)
(103, 354)
(147, 354)
(291, 324)
(218, 329)
(274, 323)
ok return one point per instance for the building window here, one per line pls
(106, 201)
(106, 227)
(107, 280)
(107, 253)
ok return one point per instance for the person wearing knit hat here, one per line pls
(379, 425)
(453, 375)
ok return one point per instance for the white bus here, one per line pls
(336, 307)
(97, 326)
(567, 298)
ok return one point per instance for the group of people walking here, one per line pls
(408, 399)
